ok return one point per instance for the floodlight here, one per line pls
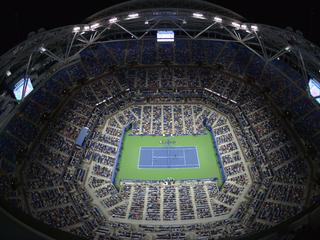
(94, 26)
(235, 24)
(76, 29)
(217, 19)
(243, 27)
(86, 28)
(133, 15)
(254, 28)
(113, 20)
(42, 49)
(184, 22)
(146, 22)
(8, 73)
(198, 15)
(288, 48)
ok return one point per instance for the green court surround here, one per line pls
(129, 158)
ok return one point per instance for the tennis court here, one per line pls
(168, 157)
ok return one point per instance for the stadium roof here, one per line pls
(47, 51)
(170, 4)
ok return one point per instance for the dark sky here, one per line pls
(18, 19)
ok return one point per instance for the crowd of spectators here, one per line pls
(272, 158)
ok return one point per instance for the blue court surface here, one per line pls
(168, 157)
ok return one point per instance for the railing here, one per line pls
(118, 154)
(215, 145)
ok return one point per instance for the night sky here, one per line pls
(18, 19)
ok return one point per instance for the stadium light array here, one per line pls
(94, 26)
(42, 49)
(113, 20)
(8, 73)
(198, 15)
(244, 27)
(76, 29)
(132, 16)
(86, 28)
(254, 28)
(217, 19)
(235, 25)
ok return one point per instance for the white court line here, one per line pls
(152, 157)
(162, 166)
(159, 148)
(166, 157)
(139, 158)
(197, 158)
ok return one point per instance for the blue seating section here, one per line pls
(198, 51)
(76, 72)
(255, 66)
(149, 52)
(165, 52)
(22, 129)
(228, 53)
(311, 123)
(54, 87)
(240, 61)
(32, 112)
(45, 99)
(182, 52)
(90, 63)
(290, 72)
(117, 50)
(133, 52)
(104, 57)
(273, 79)
(213, 50)
(301, 107)
(9, 146)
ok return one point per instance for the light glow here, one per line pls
(132, 16)
(42, 49)
(236, 25)
(217, 19)
(76, 29)
(254, 28)
(198, 15)
(113, 20)
(94, 26)
(243, 27)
